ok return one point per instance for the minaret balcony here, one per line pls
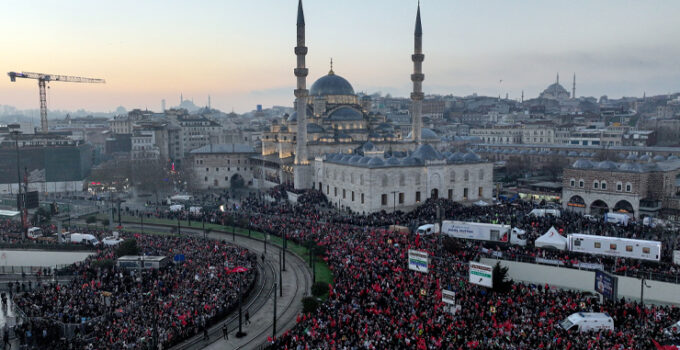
(417, 77)
(301, 72)
(301, 92)
(417, 57)
(417, 96)
(301, 50)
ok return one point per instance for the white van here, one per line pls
(83, 238)
(176, 207)
(35, 232)
(588, 321)
(425, 229)
(545, 212)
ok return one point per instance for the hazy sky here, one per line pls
(241, 52)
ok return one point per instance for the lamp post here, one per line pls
(394, 201)
(274, 315)
(643, 284)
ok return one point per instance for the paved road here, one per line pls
(297, 281)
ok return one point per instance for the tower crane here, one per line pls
(46, 78)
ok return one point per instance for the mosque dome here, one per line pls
(314, 128)
(425, 134)
(582, 164)
(346, 114)
(331, 84)
(375, 162)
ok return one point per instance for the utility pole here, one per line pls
(274, 320)
(280, 273)
(285, 247)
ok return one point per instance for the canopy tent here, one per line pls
(481, 203)
(551, 239)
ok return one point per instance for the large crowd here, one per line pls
(121, 308)
(375, 302)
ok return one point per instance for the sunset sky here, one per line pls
(241, 52)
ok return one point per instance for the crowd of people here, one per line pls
(120, 308)
(375, 302)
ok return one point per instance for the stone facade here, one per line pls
(214, 166)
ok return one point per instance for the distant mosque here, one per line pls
(557, 92)
(332, 143)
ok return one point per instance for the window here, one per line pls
(603, 185)
(343, 194)
(580, 183)
(450, 193)
(480, 192)
(629, 187)
(335, 191)
(362, 198)
(596, 184)
(226, 178)
(418, 197)
(402, 180)
(572, 182)
(206, 179)
(598, 245)
(217, 169)
(384, 181)
(466, 175)
(465, 194)
(629, 248)
(453, 176)
(646, 250)
(401, 198)
(207, 169)
(577, 242)
(619, 186)
(328, 187)
(352, 196)
(383, 199)
(612, 246)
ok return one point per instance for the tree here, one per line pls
(501, 283)
(151, 177)
(319, 289)
(91, 220)
(309, 304)
(105, 222)
(555, 166)
(127, 247)
(41, 216)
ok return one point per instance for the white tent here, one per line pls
(551, 239)
(481, 203)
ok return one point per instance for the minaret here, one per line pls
(301, 172)
(417, 78)
(557, 80)
(573, 88)
(522, 96)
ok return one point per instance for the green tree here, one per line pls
(127, 247)
(319, 289)
(309, 304)
(41, 216)
(91, 220)
(501, 283)
(105, 222)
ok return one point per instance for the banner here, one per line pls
(481, 275)
(448, 297)
(676, 257)
(589, 266)
(418, 260)
(606, 285)
(549, 262)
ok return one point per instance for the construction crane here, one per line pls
(46, 78)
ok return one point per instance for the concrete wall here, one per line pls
(566, 278)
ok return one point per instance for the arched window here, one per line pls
(453, 176)
(384, 181)
(619, 186)
(572, 182)
(603, 185)
(596, 185)
(466, 175)
(581, 183)
(629, 187)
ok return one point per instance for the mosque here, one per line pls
(334, 144)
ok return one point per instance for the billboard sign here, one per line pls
(481, 274)
(448, 297)
(676, 257)
(606, 284)
(418, 260)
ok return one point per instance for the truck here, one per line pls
(426, 229)
(614, 246)
(83, 238)
(588, 322)
(484, 232)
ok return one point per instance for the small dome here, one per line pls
(410, 161)
(346, 114)
(471, 157)
(375, 161)
(582, 164)
(293, 117)
(544, 152)
(425, 134)
(314, 128)
(355, 159)
(426, 152)
(607, 165)
(572, 154)
(645, 158)
(331, 84)
(659, 158)
(621, 155)
(672, 157)
(562, 153)
(514, 151)
(629, 167)
(533, 151)
(632, 157)
(364, 160)
(584, 154)
(393, 161)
